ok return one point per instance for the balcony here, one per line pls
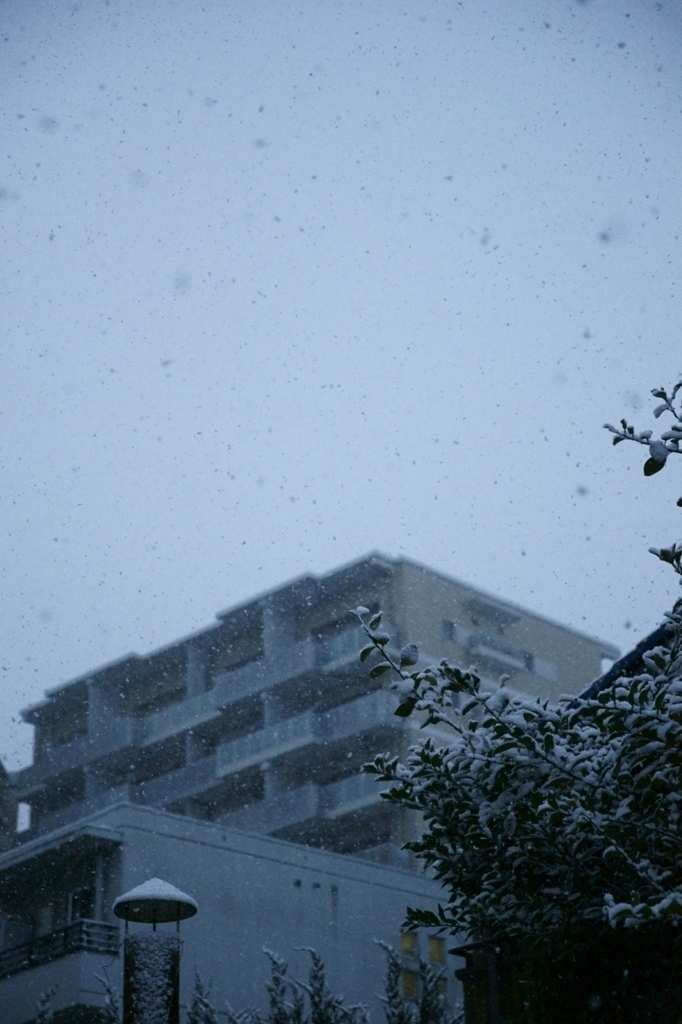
(257, 676)
(351, 794)
(76, 811)
(299, 659)
(229, 687)
(371, 712)
(306, 802)
(290, 808)
(195, 778)
(282, 738)
(83, 935)
(114, 734)
(186, 714)
(342, 648)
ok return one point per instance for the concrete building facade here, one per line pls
(255, 729)
(252, 891)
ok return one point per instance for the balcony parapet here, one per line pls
(80, 809)
(84, 935)
(305, 803)
(285, 809)
(266, 744)
(115, 733)
(228, 688)
(186, 714)
(195, 778)
(297, 660)
(373, 711)
(351, 794)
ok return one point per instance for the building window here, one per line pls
(23, 817)
(436, 950)
(409, 945)
(409, 981)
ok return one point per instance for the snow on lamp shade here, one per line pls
(154, 902)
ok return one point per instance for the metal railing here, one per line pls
(84, 935)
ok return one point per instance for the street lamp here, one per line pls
(151, 960)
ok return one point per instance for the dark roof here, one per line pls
(628, 665)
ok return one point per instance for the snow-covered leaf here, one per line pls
(409, 655)
(379, 670)
(652, 466)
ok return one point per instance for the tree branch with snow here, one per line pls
(538, 816)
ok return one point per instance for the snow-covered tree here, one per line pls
(288, 1005)
(112, 1003)
(545, 820)
(44, 1011)
(287, 999)
(670, 440)
(397, 1008)
(429, 1007)
(326, 1008)
(201, 1009)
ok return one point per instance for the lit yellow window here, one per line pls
(409, 981)
(408, 944)
(436, 950)
(442, 987)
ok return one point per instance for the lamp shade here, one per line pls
(155, 901)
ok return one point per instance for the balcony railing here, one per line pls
(344, 648)
(193, 779)
(306, 802)
(351, 794)
(115, 733)
(373, 711)
(84, 935)
(76, 811)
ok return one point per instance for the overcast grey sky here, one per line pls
(282, 283)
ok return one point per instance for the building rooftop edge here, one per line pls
(629, 660)
(133, 658)
(87, 827)
(610, 650)
(249, 843)
(373, 557)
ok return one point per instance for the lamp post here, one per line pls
(151, 960)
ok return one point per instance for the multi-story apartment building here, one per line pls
(263, 721)
(260, 723)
